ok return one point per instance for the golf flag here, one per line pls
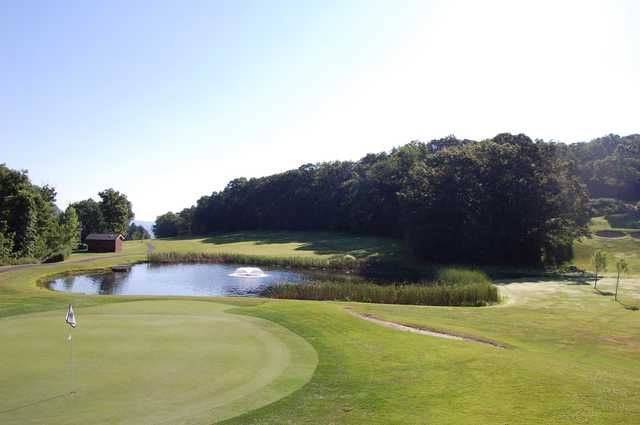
(71, 317)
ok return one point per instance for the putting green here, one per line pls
(146, 362)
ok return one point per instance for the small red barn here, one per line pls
(104, 242)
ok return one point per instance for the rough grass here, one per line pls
(461, 276)
(473, 294)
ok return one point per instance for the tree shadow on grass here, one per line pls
(322, 243)
(629, 306)
(568, 279)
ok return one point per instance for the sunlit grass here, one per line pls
(616, 248)
(574, 355)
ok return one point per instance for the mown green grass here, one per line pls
(128, 248)
(323, 247)
(284, 244)
(574, 355)
(139, 362)
(573, 361)
(627, 248)
(304, 248)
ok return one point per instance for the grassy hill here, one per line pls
(326, 245)
(626, 247)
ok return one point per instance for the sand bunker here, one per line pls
(422, 331)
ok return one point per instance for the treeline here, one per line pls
(33, 229)
(609, 166)
(112, 214)
(31, 226)
(136, 232)
(503, 200)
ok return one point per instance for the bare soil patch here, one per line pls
(423, 331)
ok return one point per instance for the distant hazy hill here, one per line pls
(147, 225)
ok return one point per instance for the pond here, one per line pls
(179, 279)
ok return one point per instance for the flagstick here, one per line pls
(71, 321)
(71, 352)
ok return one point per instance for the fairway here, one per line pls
(147, 362)
(626, 247)
(270, 244)
(571, 358)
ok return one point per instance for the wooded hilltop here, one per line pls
(509, 199)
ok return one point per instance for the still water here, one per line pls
(176, 279)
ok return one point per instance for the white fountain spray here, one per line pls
(248, 272)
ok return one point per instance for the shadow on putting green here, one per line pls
(35, 403)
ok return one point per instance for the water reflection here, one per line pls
(175, 279)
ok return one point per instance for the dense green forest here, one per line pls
(609, 166)
(33, 229)
(112, 214)
(31, 226)
(507, 200)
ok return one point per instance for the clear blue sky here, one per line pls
(168, 100)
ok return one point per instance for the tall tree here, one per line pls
(168, 225)
(29, 224)
(69, 228)
(90, 216)
(116, 211)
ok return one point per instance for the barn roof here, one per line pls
(104, 237)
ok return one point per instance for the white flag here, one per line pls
(71, 317)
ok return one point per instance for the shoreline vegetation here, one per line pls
(467, 295)
(441, 286)
(333, 263)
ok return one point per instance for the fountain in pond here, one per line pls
(248, 272)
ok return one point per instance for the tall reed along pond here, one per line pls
(179, 279)
(451, 287)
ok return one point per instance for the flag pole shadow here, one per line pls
(34, 403)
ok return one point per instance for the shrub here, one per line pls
(55, 258)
